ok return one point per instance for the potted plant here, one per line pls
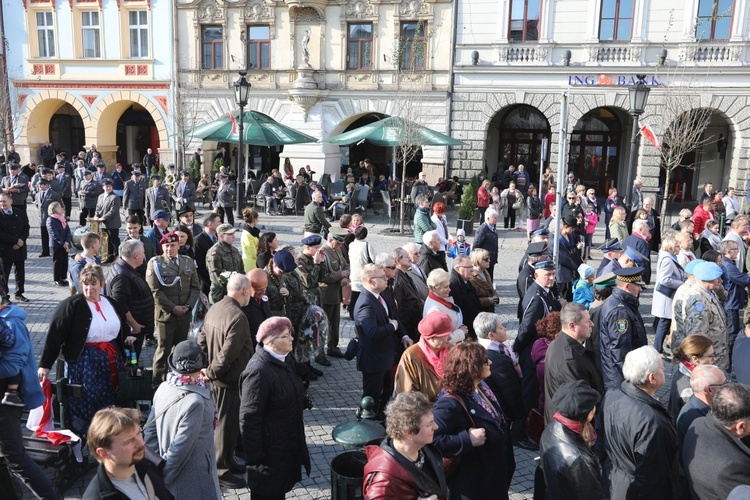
(468, 207)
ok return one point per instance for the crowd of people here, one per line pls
(577, 384)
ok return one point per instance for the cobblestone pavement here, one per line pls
(336, 394)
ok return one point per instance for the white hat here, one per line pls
(461, 232)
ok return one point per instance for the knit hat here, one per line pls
(585, 271)
(272, 328)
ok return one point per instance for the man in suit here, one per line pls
(184, 192)
(101, 171)
(638, 240)
(133, 197)
(88, 193)
(44, 199)
(224, 198)
(16, 185)
(202, 243)
(257, 309)
(14, 231)
(414, 272)
(486, 238)
(430, 255)
(65, 183)
(108, 211)
(463, 292)
(157, 198)
(379, 333)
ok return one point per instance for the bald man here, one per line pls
(257, 310)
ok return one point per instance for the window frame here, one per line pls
(45, 30)
(256, 45)
(213, 44)
(616, 22)
(714, 12)
(138, 28)
(408, 62)
(525, 20)
(96, 30)
(360, 43)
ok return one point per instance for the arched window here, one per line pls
(714, 19)
(524, 20)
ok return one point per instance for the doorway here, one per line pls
(595, 150)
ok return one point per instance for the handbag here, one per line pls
(150, 454)
(534, 425)
(450, 464)
(346, 294)
(665, 290)
(518, 204)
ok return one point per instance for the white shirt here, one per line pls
(280, 357)
(101, 329)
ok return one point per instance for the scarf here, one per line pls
(61, 218)
(436, 359)
(179, 380)
(490, 407)
(712, 238)
(687, 364)
(443, 302)
(574, 426)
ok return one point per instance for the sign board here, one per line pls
(604, 80)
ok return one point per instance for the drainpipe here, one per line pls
(176, 140)
(454, 20)
(4, 81)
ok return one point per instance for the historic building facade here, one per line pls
(320, 66)
(88, 72)
(515, 58)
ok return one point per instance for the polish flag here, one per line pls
(234, 123)
(648, 133)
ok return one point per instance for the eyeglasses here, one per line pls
(378, 277)
(390, 267)
(486, 260)
(465, 267)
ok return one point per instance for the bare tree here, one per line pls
(10, 112)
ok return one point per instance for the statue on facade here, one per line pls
(305, 48)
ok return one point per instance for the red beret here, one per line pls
(435, 324)
(272, 328)
(169, 238)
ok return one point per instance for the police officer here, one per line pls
(630, 257)
(540, 235)
(621, 327)
(335, 274)
(157, 198)
(88, 193)
(134, 197)
(223, 257)
(612, 250)
(174, 281)
(309, 269)
(536, 252)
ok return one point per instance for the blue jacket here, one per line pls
(735, 283)
(20, 358)
(486, 238)
(740, 355)
(57, 235)
(583, 292)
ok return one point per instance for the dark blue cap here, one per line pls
(630, 275)
(611, 245)
(537, 249)
(162, 214)
(541, 232)
(636, 256)
(312, 240)
(545, 265)
(106, 181)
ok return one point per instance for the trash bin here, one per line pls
(347, 471)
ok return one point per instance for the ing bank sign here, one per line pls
(604, 80)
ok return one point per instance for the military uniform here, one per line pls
(309, 273)
(330, 292)
(699, 311)
(221, 258)
(621, 330)
(173, 283)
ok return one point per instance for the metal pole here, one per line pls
(241, 167)
(542, 157)
(561, 173)
(632, 163)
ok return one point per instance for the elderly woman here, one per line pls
(183, 433)
(90, 331)
(60, 239)
(439, 299)
(272, 400)
(696, 349)
(669, 277)
(361, 253)
(422, 364)
(571, 469)
(472, 426)
(481, 280)
(250, 239)
(406, 465)
(505, 373)
(441, 224)
(685, 255)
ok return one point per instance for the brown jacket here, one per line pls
(225, 338)
(484, 290)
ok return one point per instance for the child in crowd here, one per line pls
(495, 196)
(583, 288)
(592, 219)
(460, 246)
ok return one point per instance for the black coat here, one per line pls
(202, 243)
(430, 260)
(465, 297)
(69, 328)
(715, 460)
(641, 442)
(257, 312)
(13, 227)
(567, 360)
(410, 304)
(486, 238)
(272, 400)
(523, 283)
(484, 471)
(378, 340)
(132, 294)
(571, 470)
(640, 245)
(101, 486)
(505, 384)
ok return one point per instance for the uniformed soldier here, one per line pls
(538, 302)
(612, 250)
(309, 267)
(701, 311)
(174, 281)
(157, 198)
(621, 327)
(536, 252)
(222, 257)
(335, 274)
(88, 194)
(134, 196)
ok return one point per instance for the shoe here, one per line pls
(12, 399)
(527, 444)
(6, 301)
(232, 482)
(238, 468)
(43, 255)
(20, 298)
(311, 376)
(317, 372)
(335, 353)
(150, 342)
(322, 360)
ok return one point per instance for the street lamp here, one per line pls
(241, 92)
(638, 94)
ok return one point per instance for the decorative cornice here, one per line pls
(89, 86)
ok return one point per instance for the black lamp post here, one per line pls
(241, 91)
(638, 94)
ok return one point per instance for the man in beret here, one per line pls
(44, 198)
(621, 327)
(108, 212)
(700, 311)
(184, 192)
(334, 274)
(174, 281)
(157, 198)
(223, 257)
(134, 197)
(225, 338)
(309, 267)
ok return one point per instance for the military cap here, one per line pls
(106, 181)
(631, 275)
(101, 165)
(44, 181)
(605, 280)
(611, 245)
(226, 229)
(60, 165)
(545, 265)
(169, 238)
(87, 172)
(15, 166)
(185, 173)
(690, 267)
(171, 165)
(312, 240)
(537, 249)
(636, 256)
(222, 176)
(338, 233)
(156, 177)
(162, 214)
(137, 172)
(540, 233)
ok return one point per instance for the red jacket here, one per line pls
(700, 216)
(385, 478)
(483, 197)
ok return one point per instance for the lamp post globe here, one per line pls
(241, 92)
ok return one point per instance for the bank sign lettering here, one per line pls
(610, 80)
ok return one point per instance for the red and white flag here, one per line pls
(234, 123)
(648, 133)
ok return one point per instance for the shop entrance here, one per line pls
(596, 149)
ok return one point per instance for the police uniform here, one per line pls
(526, 273)
(611, 245)
(174, 282)
(330, 288)
(222, 258)
(621, 328)
(538, 233)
